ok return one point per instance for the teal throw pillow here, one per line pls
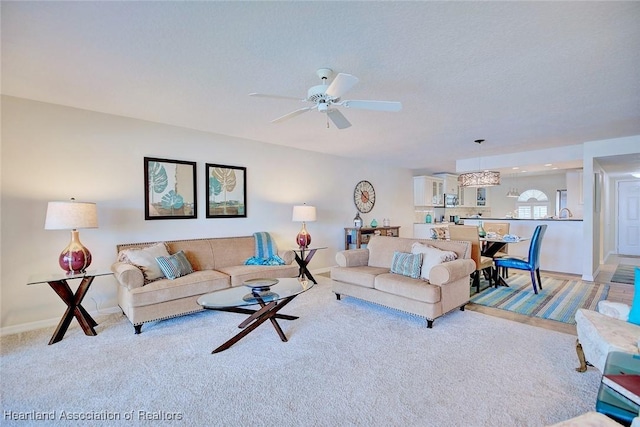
(174, 266)
(634, 314)
(406, 264)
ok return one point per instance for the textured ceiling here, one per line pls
(521, 75)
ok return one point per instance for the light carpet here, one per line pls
(559, 299)
(347, 363)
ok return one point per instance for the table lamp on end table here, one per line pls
(72, 215)
(303, 214)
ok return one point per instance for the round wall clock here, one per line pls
(364, 196)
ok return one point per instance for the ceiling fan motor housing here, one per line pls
(317, 94)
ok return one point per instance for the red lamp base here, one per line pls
(303, 239)
(75, 258)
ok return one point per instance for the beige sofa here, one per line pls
(218, 263)
(366, 274)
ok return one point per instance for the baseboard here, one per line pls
(47, 323)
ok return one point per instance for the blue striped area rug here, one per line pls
(558, 300)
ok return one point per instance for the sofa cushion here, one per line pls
(240, 273)
(196, 283)
(145, 259)
(406, 264)
(174, 266)
(431, 257)
(407, 287)
(363, 276)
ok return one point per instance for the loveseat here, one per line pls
(443, 284)
(217, 263)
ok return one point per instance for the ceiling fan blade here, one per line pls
(338, 119)
(266, 95)
(292, 114)
(340, 85)
(392, 106)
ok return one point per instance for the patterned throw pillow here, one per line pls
(431, 257)
(174, 266)
(145, 260)
(406, 264)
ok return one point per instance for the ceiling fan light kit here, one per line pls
(481, 178)
(326, 97)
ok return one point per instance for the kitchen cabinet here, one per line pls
(472, 197)
(450, 183)
(427, 191)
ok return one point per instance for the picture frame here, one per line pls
(226, 191)
(169, 189)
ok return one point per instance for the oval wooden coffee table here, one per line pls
(270, 294)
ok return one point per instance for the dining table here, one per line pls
(491, 245)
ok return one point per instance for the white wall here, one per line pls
(548, 184)
(595, 218)
(51, 152)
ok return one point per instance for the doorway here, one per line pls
(629, 218)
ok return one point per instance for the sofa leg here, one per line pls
(581, 358)
(462, 307)
(338, 297)
(138, 328)
(429, 323)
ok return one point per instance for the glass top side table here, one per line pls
(609, 401)
(303, 257)
(58, 282)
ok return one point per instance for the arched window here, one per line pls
(532, 204)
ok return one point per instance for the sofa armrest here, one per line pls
(353, 258)
(451, 271)
(287, 256)
(128, 275)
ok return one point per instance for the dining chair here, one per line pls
(532, 263)
(500, 228)
(469, 233)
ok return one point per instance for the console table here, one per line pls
(357, 237)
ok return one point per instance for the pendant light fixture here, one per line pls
(513, 191)
(481, 178)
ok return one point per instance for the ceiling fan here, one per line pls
(326, 97)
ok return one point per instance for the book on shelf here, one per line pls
(627, 385)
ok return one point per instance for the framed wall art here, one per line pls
(226, 191)
(170, 189)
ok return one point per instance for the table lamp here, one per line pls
(72, 215)
(303, 214)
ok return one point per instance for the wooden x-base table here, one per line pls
(73, 301)
(258, 317)
(271, 300)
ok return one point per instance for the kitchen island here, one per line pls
(562, 244)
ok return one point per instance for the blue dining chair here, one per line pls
(532, 263)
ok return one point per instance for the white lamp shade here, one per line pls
(71, 215)
(304, 213)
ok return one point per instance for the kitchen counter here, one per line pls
(562, 244)
(522, 219)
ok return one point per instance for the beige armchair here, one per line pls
(604, 331)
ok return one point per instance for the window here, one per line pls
(532, 204)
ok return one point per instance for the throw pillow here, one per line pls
(406, 264)
(174, 266)
(145, 259)
(634, 314)
(431, 257)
